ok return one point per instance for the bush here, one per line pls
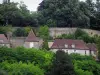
(21, 68)
(44, 32)
(41, 58)
(85, 65)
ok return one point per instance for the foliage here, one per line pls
(85, 65)
(10, 13)
(80, 57)
(44, 32)
(19, 32)
(21, 68)
(27, 30)
(73, 13)
(45, 45)
(5, 29)
(62, 65)
(41, 58)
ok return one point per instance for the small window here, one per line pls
(66, 46)
(73, 45)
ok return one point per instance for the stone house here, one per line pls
(73, 46)
(4, 41)
(32, 41)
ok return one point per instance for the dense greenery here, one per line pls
(21, 32)
(62, 65)
(70, 13)
(85, 65)
(22, 61)
(25, 61)
(64, 13)
(44, 32)
(16, 15)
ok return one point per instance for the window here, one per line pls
(73, 45)
(31, 44)
(66, 46)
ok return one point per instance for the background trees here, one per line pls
(16, 14)
(73, 13)
(54, 13)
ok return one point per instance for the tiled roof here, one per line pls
(92, 46)
(67, 44)
(3, 39)
(31, 37)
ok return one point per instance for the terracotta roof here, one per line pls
(92, 46)
(3, 39)
(31, 37)
(62, 43)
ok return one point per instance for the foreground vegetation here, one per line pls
(22, 61)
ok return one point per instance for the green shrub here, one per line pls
(41, 58)
(85, 65)
(21, 68)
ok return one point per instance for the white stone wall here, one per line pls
(69, 51)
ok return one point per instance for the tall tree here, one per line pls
(62, 65)
(63, 13)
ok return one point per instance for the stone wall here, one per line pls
(59, 31)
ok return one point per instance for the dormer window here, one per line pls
(73, 45)
(66, 46)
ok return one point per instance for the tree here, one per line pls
(62, 65)
(44, 32)
(63, 13)
(20, 32)
(45, 45)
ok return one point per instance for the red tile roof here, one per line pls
(3, 39)
(92, 46)
(31, 37)
(60, 44)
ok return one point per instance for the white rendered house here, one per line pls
(72, 46)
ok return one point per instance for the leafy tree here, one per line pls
(44, 32)
(21, 68)
(62, 65)
(64, 13)
(45, 45)
(85, 65)
(19, 32)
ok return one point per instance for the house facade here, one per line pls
(32, 41)
(4, 41)
(72, 46)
